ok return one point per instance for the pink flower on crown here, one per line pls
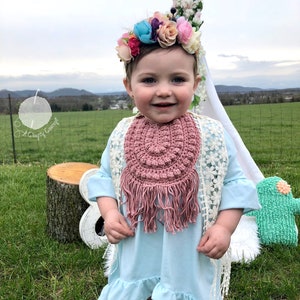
(134, 45)
(185, 30)
(193, 44)
(128, 47)
(123, 49)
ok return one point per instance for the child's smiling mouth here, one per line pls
(163, 104)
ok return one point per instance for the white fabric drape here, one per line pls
(213, 108)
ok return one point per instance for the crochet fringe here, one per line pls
(174, 205)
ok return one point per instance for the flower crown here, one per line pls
(181, 26)
(163, 29)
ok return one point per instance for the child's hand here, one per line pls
(215, 241)
(116, 227)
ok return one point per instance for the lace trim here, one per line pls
(211, 166)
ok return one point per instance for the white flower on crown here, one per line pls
(191, 10)
(197, 17)
(188, 13)
(186, 4)
(194, 43)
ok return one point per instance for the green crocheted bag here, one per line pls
(276, 220)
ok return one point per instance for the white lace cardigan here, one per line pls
(211, 167)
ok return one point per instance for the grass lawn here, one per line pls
(33, 266)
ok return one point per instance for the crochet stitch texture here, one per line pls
(276, 220)
(160, 180)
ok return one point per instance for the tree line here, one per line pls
(123, 101)
(261, 97)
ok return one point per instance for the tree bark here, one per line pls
(65, 205)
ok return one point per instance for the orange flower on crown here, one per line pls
(167, 34)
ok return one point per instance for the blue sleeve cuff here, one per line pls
(101, 184)
(100, 187)
(238, 191)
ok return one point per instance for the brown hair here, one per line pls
(145, 49)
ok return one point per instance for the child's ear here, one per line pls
(127, 86)
(197, 81)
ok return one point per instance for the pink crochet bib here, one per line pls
(159, 181)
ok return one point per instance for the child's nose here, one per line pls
(163, 90)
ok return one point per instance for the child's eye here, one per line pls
(148, 80)
(178, 79)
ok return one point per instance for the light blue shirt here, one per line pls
(163, 265)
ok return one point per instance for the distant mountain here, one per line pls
(68, 92)
(5, 93)
(54, 94)
(236, 89)
(20, 94)
(76, 92)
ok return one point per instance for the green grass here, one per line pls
(271, 132)
(34, 266)
(274, 274)
(72, 136)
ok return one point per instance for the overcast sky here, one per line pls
(52, 44)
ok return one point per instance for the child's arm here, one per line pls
(115, 225)
(216, 239)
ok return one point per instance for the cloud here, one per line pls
(240, 57)
(243, 71)
(71, 43)
(244, 64)
(92, 82)
(239, 69)
(233, 69)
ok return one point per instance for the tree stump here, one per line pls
(65, 205)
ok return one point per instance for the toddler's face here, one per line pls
(163, 83)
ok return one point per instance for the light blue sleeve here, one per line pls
(238, 191)
(101, 184)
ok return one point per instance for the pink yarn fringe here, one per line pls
(175, 205)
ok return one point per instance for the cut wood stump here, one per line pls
(65, 205)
